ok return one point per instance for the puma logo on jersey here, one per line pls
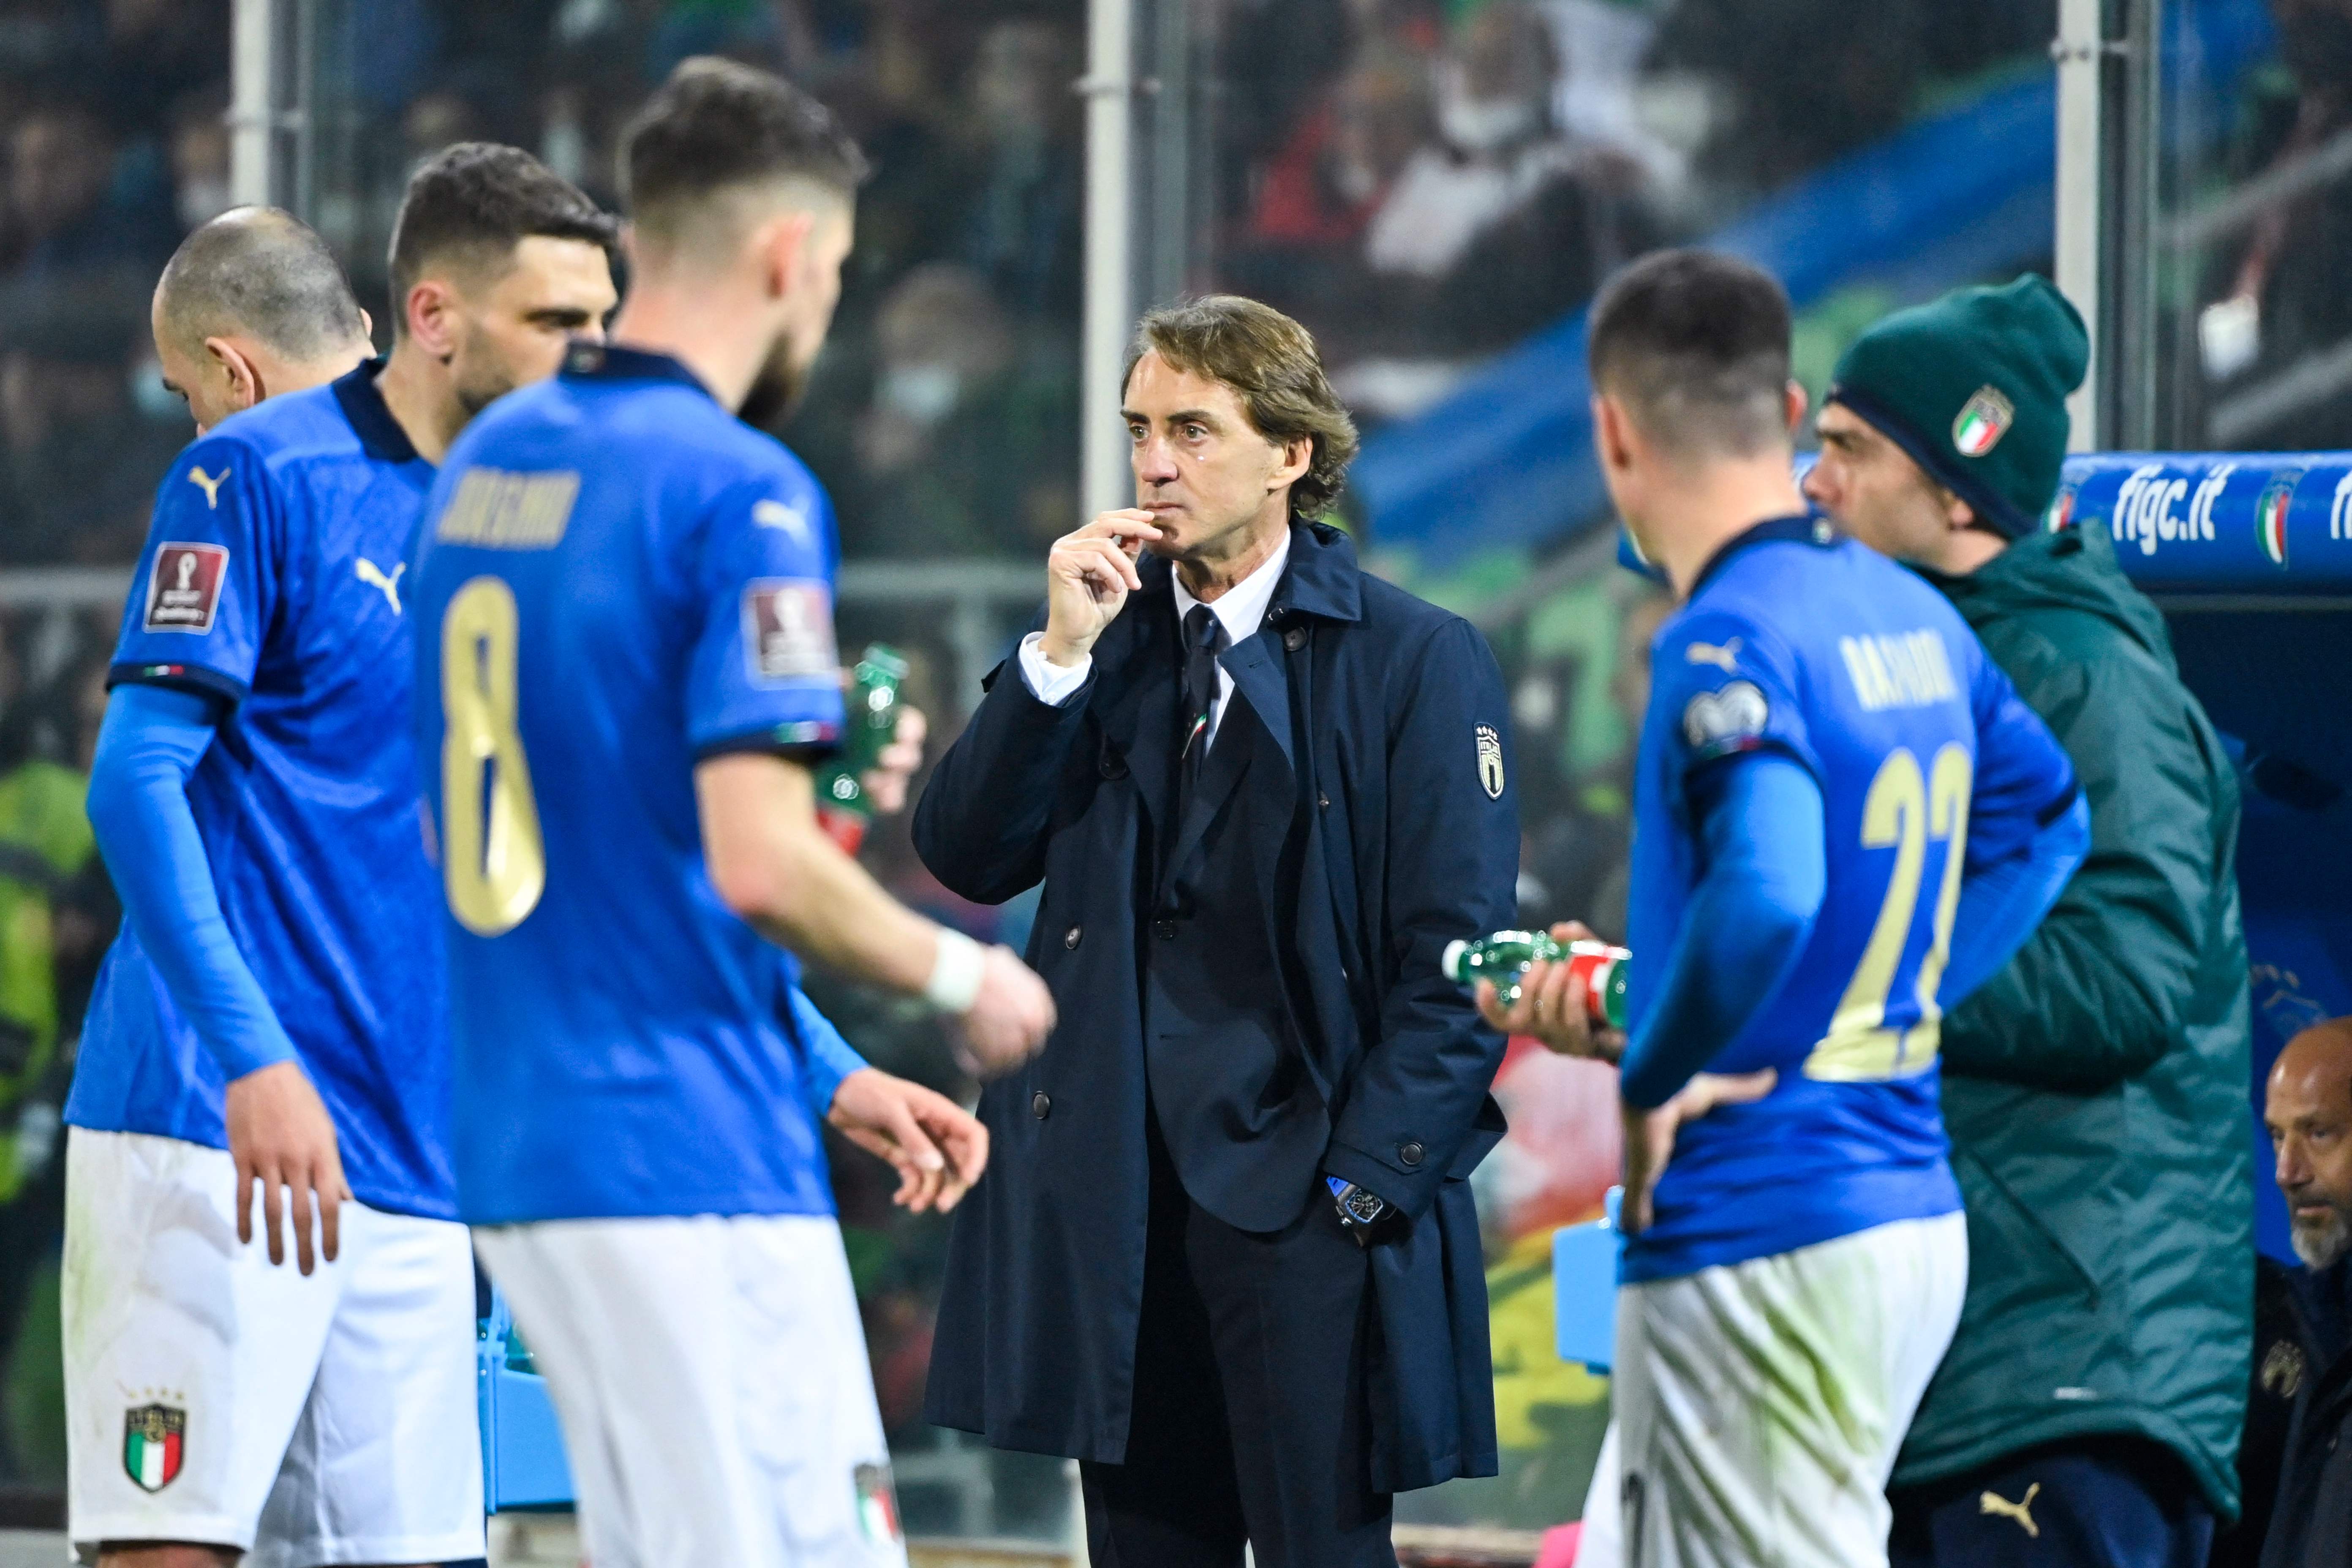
(1725, 658)
(372, 576)
(791, 519)
(2020, 1510)
(208, 483)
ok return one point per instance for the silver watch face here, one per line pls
(1363, 1205)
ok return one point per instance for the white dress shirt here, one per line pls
(1241, 610)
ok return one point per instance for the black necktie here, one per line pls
(1203, 636)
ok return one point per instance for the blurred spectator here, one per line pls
(200, 157)
(1800, 82)
(62, 219)
(1496, 146)
(2309, 1113)
(157, 52)
(1325, 184)
(952, 396)
(1577, 855)
(1501, 222)
(78, 467)
(1021, 226)
(2284, 298)
(441, 118)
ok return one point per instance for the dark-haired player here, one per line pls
(625, 669)
(272, 1014)
(1845, 821)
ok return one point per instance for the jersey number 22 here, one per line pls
(1903, 811)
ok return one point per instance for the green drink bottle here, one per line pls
(872, 719)
(1597, 971)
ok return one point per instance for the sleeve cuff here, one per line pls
(828, 1058)
(1407, 1191)
(809, 744)
(194, 678)
(1052, 684)
(242, 1057)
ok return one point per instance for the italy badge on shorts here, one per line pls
(877, 1505)
(152, 1441)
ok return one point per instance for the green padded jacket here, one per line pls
(2095, 1088)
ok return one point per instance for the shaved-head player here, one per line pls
(253, 304)
(626, 670)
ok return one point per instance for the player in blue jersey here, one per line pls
(1844, 820)
(625, 670)
(271, 1014)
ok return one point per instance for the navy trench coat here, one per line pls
(1386, 828)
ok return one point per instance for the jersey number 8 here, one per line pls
(1903, 810)
(494, 863)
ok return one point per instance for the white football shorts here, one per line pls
(214, 1396)
(1758, 1406)
(710, 1378)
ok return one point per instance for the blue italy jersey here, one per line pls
(1801, 643)
(272, 580)
(618, 579)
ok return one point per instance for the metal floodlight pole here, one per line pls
(2081, 51)
(1109, 86)
(252, 120)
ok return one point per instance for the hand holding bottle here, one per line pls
(1570, 995)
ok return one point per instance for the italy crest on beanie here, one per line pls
(1974, 387)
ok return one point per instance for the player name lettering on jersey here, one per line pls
(1907, 669)
(496, 510)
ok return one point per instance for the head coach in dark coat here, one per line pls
(1225, 1252)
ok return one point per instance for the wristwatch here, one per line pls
(1360, 1211)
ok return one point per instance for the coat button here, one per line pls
(1412, 1153)
(1323, 802)
(1295, 639)
(1070, 937)
(1041, 1105)
(1113, 765)
(1164, 930)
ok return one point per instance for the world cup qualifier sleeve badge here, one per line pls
(183, 588)
(154, 1440)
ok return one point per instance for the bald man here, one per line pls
(2308, 1111)
(253, 305)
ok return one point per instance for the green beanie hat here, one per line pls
(1974, 386)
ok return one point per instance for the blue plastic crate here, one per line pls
(522, 1449)
(1584, 1260)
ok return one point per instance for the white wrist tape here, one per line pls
(954, 984)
